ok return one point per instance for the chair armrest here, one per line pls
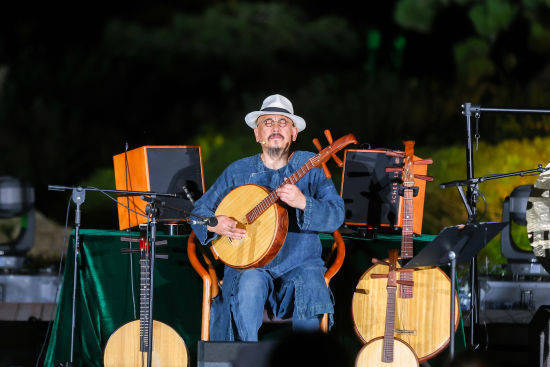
(192, 254)
(207, 288)
(340, 247)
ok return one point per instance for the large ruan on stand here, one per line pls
(388, 350)
(427, 336)
(142, 342)
(255, 208)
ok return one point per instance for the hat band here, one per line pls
(275, 109)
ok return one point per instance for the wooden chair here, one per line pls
(204, 265)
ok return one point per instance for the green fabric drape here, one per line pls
(104, 296)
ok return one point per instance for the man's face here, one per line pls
(270, 129)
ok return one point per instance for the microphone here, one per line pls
(263, 142)
(150, 199)
(188, 194)
(210, 221)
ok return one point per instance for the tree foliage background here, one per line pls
(76, 84)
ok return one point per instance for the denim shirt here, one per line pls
(324, 212)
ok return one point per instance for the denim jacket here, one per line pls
(324, 212)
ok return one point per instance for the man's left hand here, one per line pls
(292, 196)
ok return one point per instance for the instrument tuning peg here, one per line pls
(423, 161)
(394, 169)
(319, 148)
(391, 153)
(328, 135)
(425, 178)
(338, 161)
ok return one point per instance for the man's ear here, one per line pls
(256, 134)
(294, 133)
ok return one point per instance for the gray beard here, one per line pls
(275, 152)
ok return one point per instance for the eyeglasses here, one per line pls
(281, 122)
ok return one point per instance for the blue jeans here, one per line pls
(255, 289)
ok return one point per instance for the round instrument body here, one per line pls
(421, 321)
(264, 237)
(371, 355)
(122, 349)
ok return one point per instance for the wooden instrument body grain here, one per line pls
(403, 354)
(388, 350)
(264, 237)
(123, 347)
(421, 321)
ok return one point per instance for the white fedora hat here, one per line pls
(275, 105)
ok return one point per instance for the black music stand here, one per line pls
(456, 245)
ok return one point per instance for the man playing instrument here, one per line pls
(292, 284)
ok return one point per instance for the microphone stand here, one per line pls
(78, 196)
(473, 184)
(211, 221)
(467, 110)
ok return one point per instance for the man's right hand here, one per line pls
(227, 227)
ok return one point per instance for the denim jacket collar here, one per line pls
(290, 165)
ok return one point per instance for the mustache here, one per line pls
(275, 135)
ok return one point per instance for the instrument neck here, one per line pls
(270, 199)
(145, 288)
(387, 351)
(407, 228)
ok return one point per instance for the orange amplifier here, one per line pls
(371, 195)
(164, 169)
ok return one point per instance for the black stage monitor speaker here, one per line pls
(234, 354)
(163, 169)
(371, 195)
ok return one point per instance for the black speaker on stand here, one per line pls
(163, 169)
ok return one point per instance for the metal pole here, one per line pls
(452, 257)
(78, 197)
(468, 108)
(151, 270)
(509, 110)
(469, 194)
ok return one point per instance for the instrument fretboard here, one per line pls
(407, 230)
(387, 349)
(313, 162)
(270, 199)
(144, 293)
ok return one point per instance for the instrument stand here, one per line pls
(467, 110)
(455, 245)
(470, 203)
(78, 196)
(152, 212)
